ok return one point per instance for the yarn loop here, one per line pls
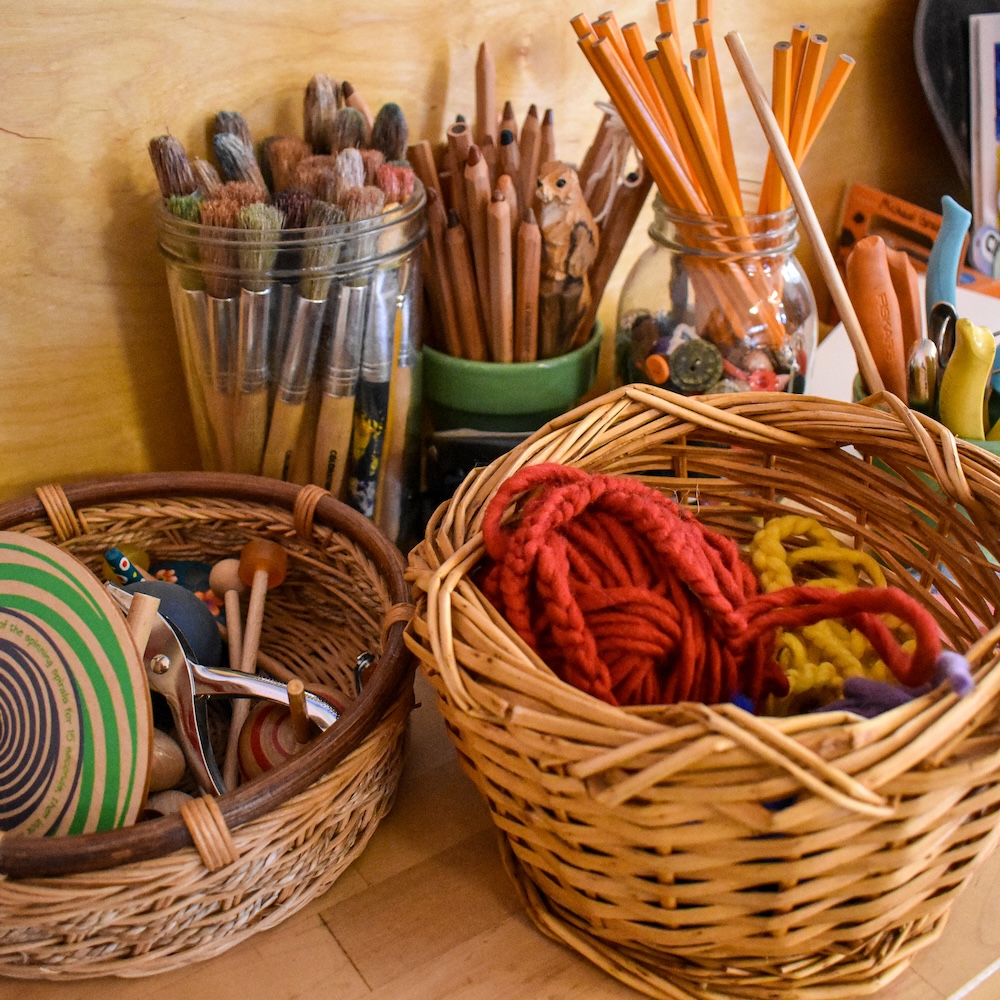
(627, 596)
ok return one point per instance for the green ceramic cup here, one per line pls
(515, 397)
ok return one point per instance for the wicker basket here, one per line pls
(145, 899)
(639, 837)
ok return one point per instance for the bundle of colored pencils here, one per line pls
(483, 255)
(291, 293)
(677, 117)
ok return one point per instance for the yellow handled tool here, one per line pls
(965, 379)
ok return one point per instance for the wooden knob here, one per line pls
(260, 554)
(167, 766)
(225, 576)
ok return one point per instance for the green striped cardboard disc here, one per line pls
(75, 714)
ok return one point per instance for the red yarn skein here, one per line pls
(628, 597)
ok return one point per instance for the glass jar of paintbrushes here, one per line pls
(717, 304)
(300, 346)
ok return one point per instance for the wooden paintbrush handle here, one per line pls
(333, 443)
(286, 422)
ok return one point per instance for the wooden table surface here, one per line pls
(427, 913)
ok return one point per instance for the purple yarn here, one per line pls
(954, 668)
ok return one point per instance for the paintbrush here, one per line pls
(317, 175)
(390, 133)
(372, 159)
(232, 123)
(239, 193)
(319, 257)
(173, 170)
(322, 99)
(236, 160)
(294, 204)
(391, 500)
(283, 154)
(171, 166)
(206, 177)
(185, 206)
(222, 316)
(349, 169)
(371, 408)
(260, 226)
(348, 130)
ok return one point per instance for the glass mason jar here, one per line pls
(717, 304)
(301, 352)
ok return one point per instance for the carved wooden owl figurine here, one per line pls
(568, 230)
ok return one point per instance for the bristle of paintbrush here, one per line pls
(318, 175)
(236, 160)
(170, 163)
(284, 153)
(350, 169)
(362, 202)
(185, 206)
(322, 99)
(320, 254)
(239, 193)
(260, 225)
(373, 159)
(216, 255)
(349, 130)
(232, 123)
(390, 133)
(294, 204)
(397, 182)
(206, 177)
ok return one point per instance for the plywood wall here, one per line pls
(90, 382)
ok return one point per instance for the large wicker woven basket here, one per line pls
(640, 837)
(166, 892)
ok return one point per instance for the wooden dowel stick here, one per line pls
(807, 215)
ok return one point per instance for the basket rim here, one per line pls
(38, 857)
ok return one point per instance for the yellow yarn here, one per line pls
(817, 658)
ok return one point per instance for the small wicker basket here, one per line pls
(640, 837)
(164, 893)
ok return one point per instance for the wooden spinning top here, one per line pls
(272, 733)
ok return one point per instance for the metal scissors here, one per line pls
(186, 685)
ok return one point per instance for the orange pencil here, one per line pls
(805, 95)
(773, 189)
(703, 36)
(701, 76)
